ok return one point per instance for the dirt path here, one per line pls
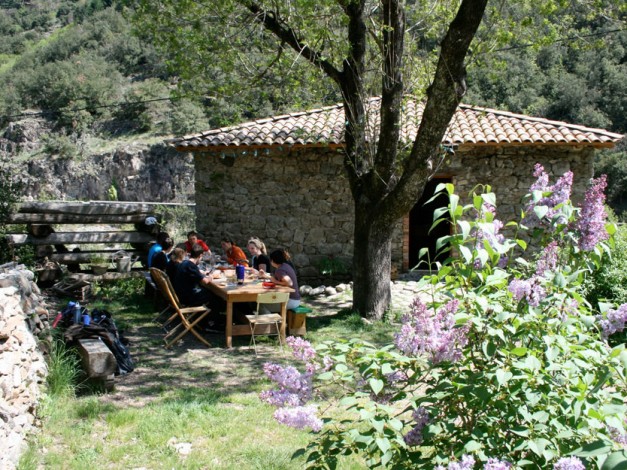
(190, 364)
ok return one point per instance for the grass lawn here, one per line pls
(188, 407)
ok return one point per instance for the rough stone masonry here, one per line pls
(23, 370)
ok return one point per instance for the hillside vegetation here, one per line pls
(78, 65)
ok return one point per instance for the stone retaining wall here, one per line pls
(23, 369)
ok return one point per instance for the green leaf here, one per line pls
(383, 444)
(376, 385)
(464, 225)
(348, 401)
(520, 351)
(489, 348)
(466, 253)
(472, 446)
(541, 211)
(593, 449)
(503, 376)
(489, 198)
(616, 461)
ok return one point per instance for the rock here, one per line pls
(305, 290)
(330, 291)
(317, 291)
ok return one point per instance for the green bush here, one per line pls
(609, 282)
(501, 359)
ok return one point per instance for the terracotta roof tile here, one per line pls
(325, 126)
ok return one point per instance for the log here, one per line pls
(97, 359)
(62, 238)
(59, 218)
(92, 208)
(86, 256)
(108, 276)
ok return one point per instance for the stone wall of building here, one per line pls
(300, 199)
(510, 171)
(22, 366)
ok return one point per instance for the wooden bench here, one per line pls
(78, 246)
(297, 320)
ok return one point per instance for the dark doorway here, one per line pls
(420, 221)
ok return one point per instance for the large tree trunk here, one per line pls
(371, 262)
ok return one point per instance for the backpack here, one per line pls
(104, 327)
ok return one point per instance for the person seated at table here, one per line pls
(189, 281)
(285, 275)
(176, 257)
(234, 254)
(156, 247)
(192, 239)
(260, 261)
(160, 259)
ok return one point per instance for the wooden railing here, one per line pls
(59, 242)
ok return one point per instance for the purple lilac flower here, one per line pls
(294, 387)
(466, 463)
(398, 376)
(432, 335)
(299, 417)
(327, 363)
(613, 322)
(531, 290)
(421, 417)
(496, 464)
(569, 463)
(547, 260)
(281, 397)
(591, 222)
(520, 289)
(559, 193)
(301, 349)
(571, 307)
(617, 435)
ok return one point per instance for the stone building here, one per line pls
(282, 178)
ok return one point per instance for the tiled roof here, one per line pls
(470, 126)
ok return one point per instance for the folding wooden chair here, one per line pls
(167, 309)
(265, 321)
(189, 316)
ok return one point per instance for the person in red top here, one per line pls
(192, 239)
(234, 254)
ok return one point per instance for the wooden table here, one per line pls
(246, 292)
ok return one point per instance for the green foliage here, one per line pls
(613, 163)
(60, 145)
(609, 282)
(63, 369)
(10, 189)
(331, 266)
(527, 380)
(123, 288)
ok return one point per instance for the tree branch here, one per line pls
(443, 98)
(286, 34)
(391, 91)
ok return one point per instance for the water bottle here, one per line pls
(77, 313)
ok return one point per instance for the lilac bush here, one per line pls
(501, 365)
(591, 222)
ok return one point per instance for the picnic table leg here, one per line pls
(229, 323)
(283, 320)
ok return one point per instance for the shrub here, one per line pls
(502, 361)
